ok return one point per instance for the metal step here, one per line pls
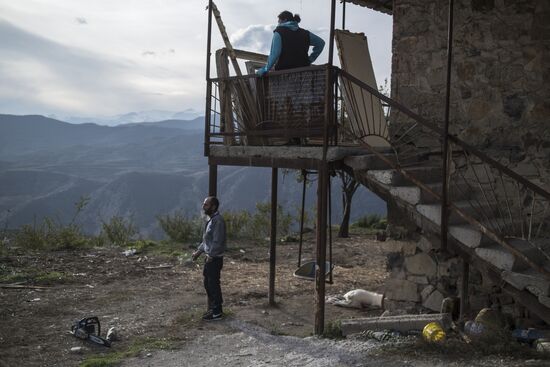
(528, 279)
(371, 161)
(433, 212)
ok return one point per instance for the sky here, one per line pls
(110, 57)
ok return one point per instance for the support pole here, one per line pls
(273, 236)
(445, 193)
(464, 296)
(212, 180)
(344, 15)
(321, 251)
(329, 190)
(207, 112)
(304, 175)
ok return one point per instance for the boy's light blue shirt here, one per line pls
(277, 45)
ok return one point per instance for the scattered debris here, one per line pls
(76, 350)
(130, 252)
(381, 336)
(433, 332)
(162, 266)
(21, 286)
(112, 335)
(401, 323)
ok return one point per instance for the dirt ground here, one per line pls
(155, 303)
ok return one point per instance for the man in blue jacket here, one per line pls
(213, 245)
(290, 45)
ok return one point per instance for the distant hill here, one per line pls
(136, 170)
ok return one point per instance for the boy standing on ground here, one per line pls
(213, 245)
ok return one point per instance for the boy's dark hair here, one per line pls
(287, 16)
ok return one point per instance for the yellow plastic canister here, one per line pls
(433, 332)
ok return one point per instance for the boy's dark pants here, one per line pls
(211, 273)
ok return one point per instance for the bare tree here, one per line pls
(349, 186)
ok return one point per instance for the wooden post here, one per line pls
(321, 251)
(212, 180)
(273, 236)
(464, 296)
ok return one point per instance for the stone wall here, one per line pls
(421, 277)
(500, 96)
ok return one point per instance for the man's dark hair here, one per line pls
(214, 200)
(287, 16)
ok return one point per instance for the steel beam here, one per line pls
(212, 180)
(321, 249)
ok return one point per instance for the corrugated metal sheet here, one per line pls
(384, 6)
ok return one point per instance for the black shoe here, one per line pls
(213, 316)
(209, 312)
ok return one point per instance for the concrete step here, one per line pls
(529, 279)
(503, 259)
(433, 212)
(415, 195)
(371, 161)
(468, 235)
(424, 174)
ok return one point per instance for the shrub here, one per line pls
(50, 235)
(261, 221)
(237, 223)
(118, 231)
(372, 221)
(179, 228)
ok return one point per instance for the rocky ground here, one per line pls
(154, 300)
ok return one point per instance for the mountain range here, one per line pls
(135, 170)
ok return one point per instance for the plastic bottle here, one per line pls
(433, 332)
(473, 328)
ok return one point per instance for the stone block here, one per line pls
(402, 290)
(433, 301)
(427, 291)
(428, 243)
(418, 279)
(421, 264)
(445, 268)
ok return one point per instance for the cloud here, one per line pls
(81, 20)
(253, 38)
(38, 75)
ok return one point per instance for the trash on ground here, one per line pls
(130, 252)
(76, 349)
(433, 332)
(381, 336)
(401, 323)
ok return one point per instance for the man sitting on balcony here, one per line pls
(290, 45)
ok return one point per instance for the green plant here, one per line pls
(333, 330)
(180, 228)
(237, 223)
(261, 221)
(118, 231)
(371, 221)
(115, 358)
(52, 234)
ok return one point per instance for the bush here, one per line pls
(372, 221)
(180, 228)
(260, 226)
(50, 235)
(118, 231)
(237, 223)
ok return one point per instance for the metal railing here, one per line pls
(506, 207)
(290, 107)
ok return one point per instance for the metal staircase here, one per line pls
(494, 218)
